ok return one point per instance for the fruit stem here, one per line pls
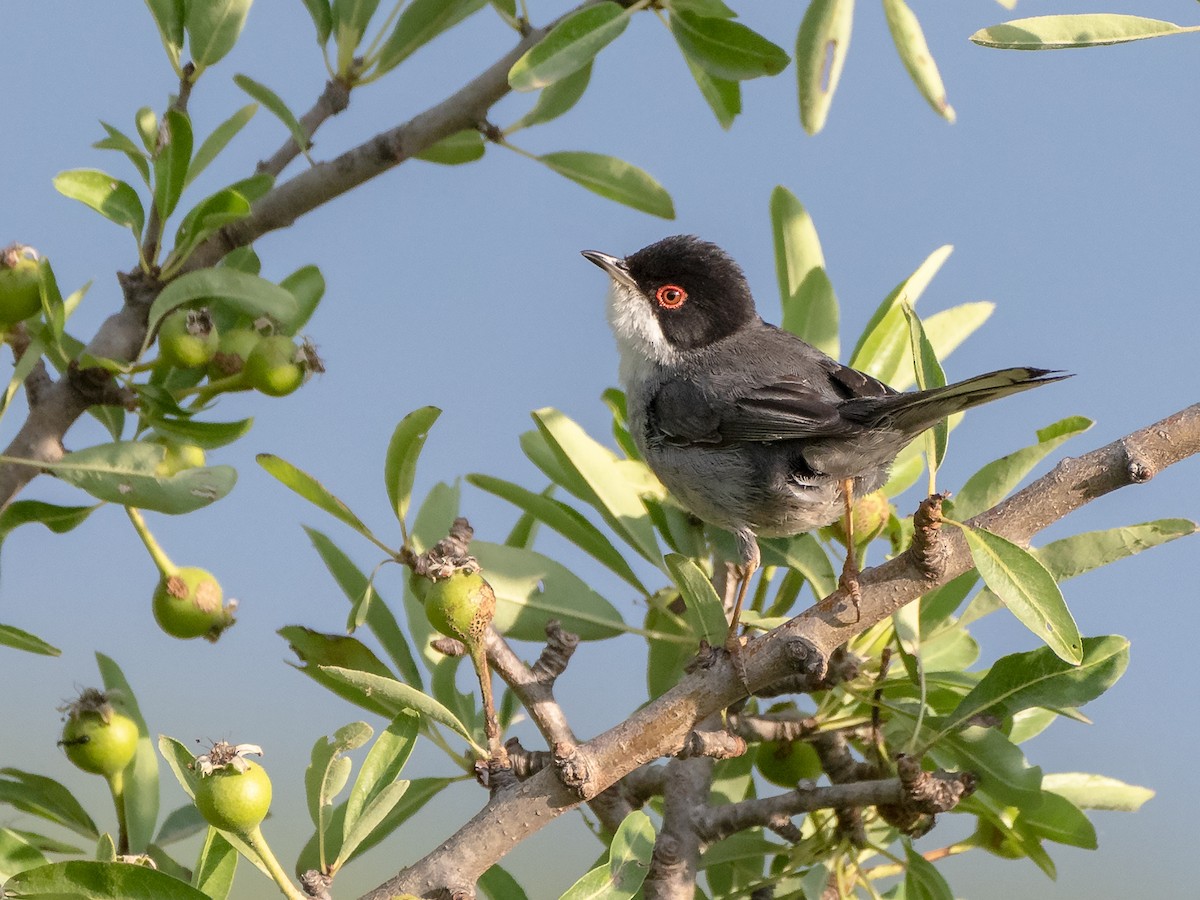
(490, 726)
(161, 560)
(205, 392)
(254, 838)
(116, 785)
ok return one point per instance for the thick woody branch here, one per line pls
(660, 727)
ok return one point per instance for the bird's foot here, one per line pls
(734, 646)
(848, 585)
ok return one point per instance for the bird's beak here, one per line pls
(613, 265)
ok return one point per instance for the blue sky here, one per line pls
(1068, 188)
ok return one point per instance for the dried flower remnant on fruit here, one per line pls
(224, 754)
(312, 362)
(448, 556)
(12, 255)
(91, 700)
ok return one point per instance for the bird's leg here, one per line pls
(849, 580)
(747, 564)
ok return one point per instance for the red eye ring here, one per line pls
(670, 296)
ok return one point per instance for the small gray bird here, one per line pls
(750, 428)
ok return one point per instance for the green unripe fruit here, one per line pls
(787, 763)
(187, 338)
(102, 745)
(234, 799)
(233, 349)
(870, 516)
(187, 604)
(179, 457)
(997, 842)
(461, 606)
(20, 295)
(274, 366)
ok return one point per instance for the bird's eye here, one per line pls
(670, 296)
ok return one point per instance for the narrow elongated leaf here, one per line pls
(705, 612)
(1065, 32)
(725, 48)
(1027, 589)
(810, 309)
(922, 880)
(46, 798)
(382, 766)
(100, 881)
(118, 141)
(497, 884)
(111, 197)
(571, 44)
(209, 435)
(350, 21)
(620, 877)
(379, 617)
(458, 149)
(1039, 678)
(400, 465)
(612, 178)
(218, 140)
(311, 490)
(213, 27)
(724, 97)
(1097, 791)
(317, 650)
(555, 99)
(168, 17)
(216, 866)
(882, 350)
(172, 157)
(17, 854)
(564, 519)
(275, 104)
(141, 775)
(328, 771)
(592, 471)
(59, 519)
(1004, 773)
(532, 589)
(419, 23)
(307, 287)
(322, 17)
(914, 53)
(929, 374)
(211, 214)
(179, 824)
(397, 696)
(11, 636)
(821, 48)
(239, 292)
(948, 328)
(804, 554)
(997, 479)
(1058, 819)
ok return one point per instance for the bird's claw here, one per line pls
(848, 585)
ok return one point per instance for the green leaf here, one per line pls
(883, 349)
(396, 696)
(209, 435)
(1004, 773)
(1027, 589)
(146, 121)
(238, 292)
(997, 479)
(621, 876)
(11, 636)
(914, 53)
(723, 96)
(168, 17)
(1058, 819)
(112, 198)
(950, 327)
(379, 617)
(612, 178)
(555, 99)
(704, 612)
(141, 775)
(216, 866)
(725, 48)
(17, 854)
(497, 884)
(810, 308)
(118, 141)
(376, 790)
(318, 650)
(218, 140)
(275, 104)
(1064, 32)
(804, 554)
(171, 159)
(129, 473)
(1039, 678)
(181, 823)
(922, 880)
(458, 149)
(821, 47)
(1097, 791)
(208, 216)
(312, 491)
(100, 881)
(328, 771)
(350, 21)
(400, 465)
(46, 798)
(564, 519)
(593, 476)
(307, 287)
(59, 519)
(213, 28)
(532, 589)
(419, 23)
(322, 17)
(929, 375)
(571, 44)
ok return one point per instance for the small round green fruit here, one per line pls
(234, 799)
(870, 516)
(188, 338)
(787, 763)
(20, 294)
(275, 366)
(99, 740)
(233, 349)
(179, 457)
(188, 604)
(461, 606)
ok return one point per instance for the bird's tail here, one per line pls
(913, 412)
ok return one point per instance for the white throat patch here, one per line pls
(640, 339)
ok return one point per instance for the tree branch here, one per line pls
(659, 728)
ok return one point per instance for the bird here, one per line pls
(750, 428)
